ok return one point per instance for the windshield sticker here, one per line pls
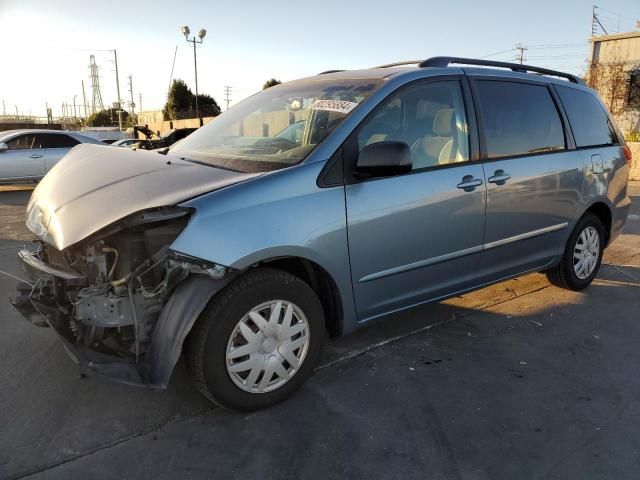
(340, 106)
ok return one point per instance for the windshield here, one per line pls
(277, 127)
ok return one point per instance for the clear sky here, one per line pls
(45, 44)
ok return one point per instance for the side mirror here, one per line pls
(384, 159)
(3, 147)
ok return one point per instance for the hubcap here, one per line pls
(267, 346)
(586, 253)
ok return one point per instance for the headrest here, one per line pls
(443, 123)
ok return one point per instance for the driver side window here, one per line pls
(23, 142)
(429, 118)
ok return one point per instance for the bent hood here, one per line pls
(94, 186)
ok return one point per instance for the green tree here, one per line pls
(179, 98)
(207, 105)
(272, 82)
(181, 103)
(107, 118)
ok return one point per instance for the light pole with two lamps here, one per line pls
(201, 34)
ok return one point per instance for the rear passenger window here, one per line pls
(589, 121)
(56, 140)
(519, 119)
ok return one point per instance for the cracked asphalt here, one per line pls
(517, 380)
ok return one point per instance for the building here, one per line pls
(614, 71)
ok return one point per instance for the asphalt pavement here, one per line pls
(520, 380)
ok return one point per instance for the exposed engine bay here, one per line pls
(111, 287)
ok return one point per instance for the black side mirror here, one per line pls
(384, 159)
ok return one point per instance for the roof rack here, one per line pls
(330, 71)
(399, 64)
(516, 67)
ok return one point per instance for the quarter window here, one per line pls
(429, 118)
(519, 119)
(589, 121)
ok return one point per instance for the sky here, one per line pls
(45, 44)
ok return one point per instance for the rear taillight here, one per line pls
(627, 154)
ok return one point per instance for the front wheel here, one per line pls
(257, 341)
(582, 256)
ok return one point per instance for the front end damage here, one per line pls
(121, 300)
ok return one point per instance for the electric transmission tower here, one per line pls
(96, 100)
(227, 95)
(520, 55)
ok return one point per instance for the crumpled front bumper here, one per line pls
(47, 312)
(178, 315)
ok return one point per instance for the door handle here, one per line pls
(35, 155)
(499, 177)
(469, 184)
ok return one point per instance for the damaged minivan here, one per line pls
(244, 247)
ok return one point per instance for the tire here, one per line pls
(218, 332)
(565, 274)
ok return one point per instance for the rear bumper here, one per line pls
(619, 214)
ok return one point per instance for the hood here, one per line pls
(94, 186)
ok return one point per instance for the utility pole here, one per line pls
(140, 102)
(133, 105)
(84, 96)
(75, 117)
(595, 21)
(520, 55)
(115, 57)
(4, 110)
(227, 95)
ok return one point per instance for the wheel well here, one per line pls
(602, 211)
(321, 282)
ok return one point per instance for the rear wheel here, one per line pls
(257, 341)
(582, 256)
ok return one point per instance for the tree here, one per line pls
(181, 103)
(107, 118)
(271, 83)
(179, 98)
(207, 105)
(611, 80)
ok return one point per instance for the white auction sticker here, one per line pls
(341, 106)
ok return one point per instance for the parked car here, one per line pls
(166, 139)
(125, 142)
(410, 185)
(27, 155)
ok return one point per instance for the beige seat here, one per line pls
(437, 148)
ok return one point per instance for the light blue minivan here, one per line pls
(403, 184)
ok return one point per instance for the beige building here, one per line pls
(615, 73)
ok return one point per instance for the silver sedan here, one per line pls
(27, 155)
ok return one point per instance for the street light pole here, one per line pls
(201, 34)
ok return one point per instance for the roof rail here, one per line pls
(399, 64)
(516, 67)
(330, 71)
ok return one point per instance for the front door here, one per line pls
(418, 236)
(24, 160)
(533, 180)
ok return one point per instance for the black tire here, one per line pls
(563, 275)
(207, 343)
